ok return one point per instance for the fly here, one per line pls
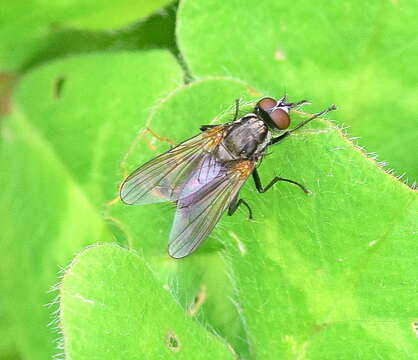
(204, 174)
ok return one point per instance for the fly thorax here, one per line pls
(246, 138)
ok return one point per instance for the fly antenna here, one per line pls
(298, 104)
(323, 112)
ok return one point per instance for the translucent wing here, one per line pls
(198, 213)
(163, 178)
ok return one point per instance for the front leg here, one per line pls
(206, 127)
(303, 123)
(262, 189)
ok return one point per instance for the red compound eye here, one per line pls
(280, 118)
(266, 104)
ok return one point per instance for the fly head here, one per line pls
(275, 113)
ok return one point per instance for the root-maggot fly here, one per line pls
(203, 175)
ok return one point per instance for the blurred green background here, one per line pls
(91, 89)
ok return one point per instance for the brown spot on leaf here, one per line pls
(172, 342)
(414, 325)
(58, 86)
(279, 55)
(7, 82)
(232, 351)
(160, 137)
(199, 299)
(252, 92)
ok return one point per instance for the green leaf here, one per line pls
(326, 273)
(90, 107)
(45, 218)
(126, 313)
(154, 32)
(59, 156)
(108, 14)
(333, 272)
(331, 275)
(26, 25)
(357, 55)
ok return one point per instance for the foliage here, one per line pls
(331, 275)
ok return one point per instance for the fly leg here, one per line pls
(206, 127)
(262, 189)
(235, 203)
(303, 123)
(236, 110)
